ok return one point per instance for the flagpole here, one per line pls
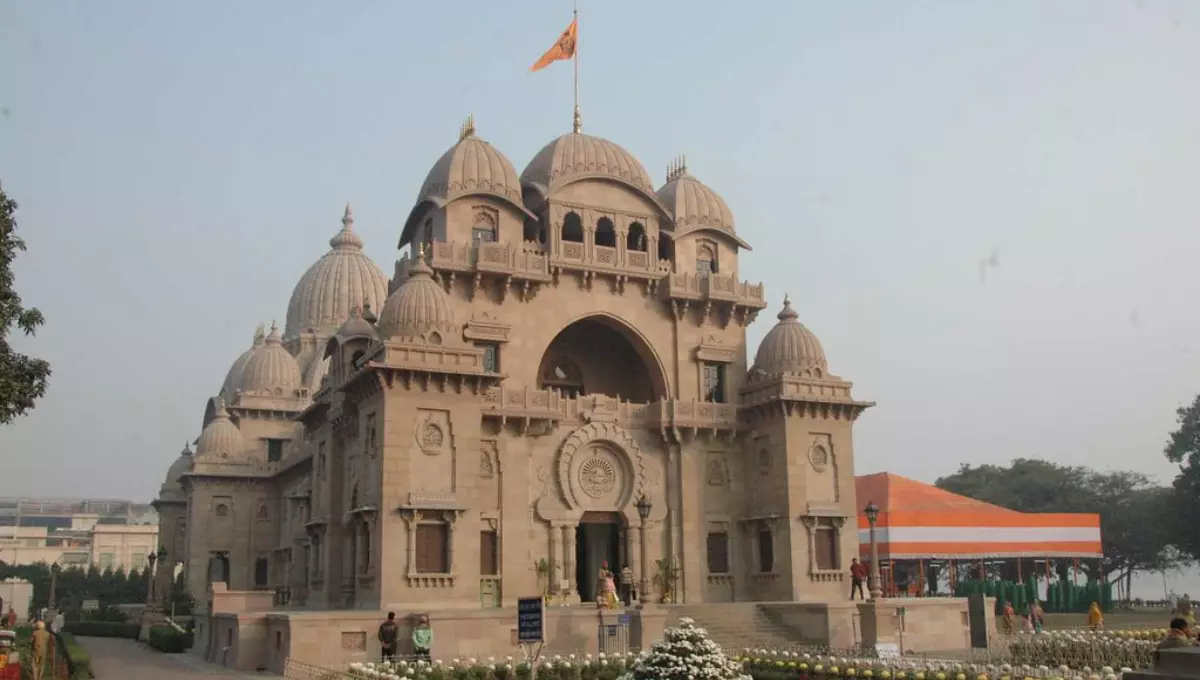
(577, 121)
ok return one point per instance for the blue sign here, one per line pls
(529, 619)
(624, 619)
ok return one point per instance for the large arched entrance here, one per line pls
(599, 540)
(599, 354)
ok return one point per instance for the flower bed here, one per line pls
(768, 665)
(1078, 649)
(571, 667)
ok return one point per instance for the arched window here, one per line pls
(605, 234)
(484, 228)
(636, 240)
(572, 228)
(666, 248)
(706, 260)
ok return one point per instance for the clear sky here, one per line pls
(987, 210)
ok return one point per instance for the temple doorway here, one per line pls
(598, 539)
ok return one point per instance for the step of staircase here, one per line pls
(737, 626)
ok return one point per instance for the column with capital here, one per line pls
(572, 591)
(555, 556)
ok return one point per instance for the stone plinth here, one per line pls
(930, 624)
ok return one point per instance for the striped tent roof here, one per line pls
(921, 521)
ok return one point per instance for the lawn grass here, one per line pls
(1131, 618)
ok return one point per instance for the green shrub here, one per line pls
(108, 629)
(79, 656)
(167, 639)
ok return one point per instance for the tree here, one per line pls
(1136, 517)
(23, 380)
(1183, 448)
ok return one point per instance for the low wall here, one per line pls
(335, 638)
(930, 624)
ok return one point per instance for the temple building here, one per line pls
(555, 379)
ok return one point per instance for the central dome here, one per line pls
(577, 156)
(343, 279)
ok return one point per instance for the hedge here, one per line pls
(168, 640)
(105, 629)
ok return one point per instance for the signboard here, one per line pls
(624, 619)
(90, 605)
(529, 619)
(888, 650)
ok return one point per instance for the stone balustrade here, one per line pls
(721, 287)
(551, 407)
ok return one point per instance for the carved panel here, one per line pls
(354, 641)
(483, 327)
(714, 350)
(718, 470)
(600, 466)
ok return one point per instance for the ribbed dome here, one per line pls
(472, 166)
(220, 438)
(578, 156)
(340, 281)
(692, 204)
(271, 369)
(790, 348)
(234, 377)
(181, 466)
(417, 307)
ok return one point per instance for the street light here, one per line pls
(151, 558)
(52, 601)
(643, 509)
(872, 513)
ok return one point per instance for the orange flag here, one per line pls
(563, 49)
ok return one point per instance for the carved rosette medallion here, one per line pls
(819, 457)
(431, 437)
(597, 477)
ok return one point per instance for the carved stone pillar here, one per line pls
(411, 518)
(643, 563)
(568, 532)
(810, 528)
(451, 520)
(555, 556)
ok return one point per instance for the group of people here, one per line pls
(389, 638)
(1032, 621)
(42, 641)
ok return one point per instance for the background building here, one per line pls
(73, 532)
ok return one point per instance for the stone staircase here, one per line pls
(737, 626)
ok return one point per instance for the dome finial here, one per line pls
(420, 268)
(187, 449)
(273, 337)
(787, 314)
(468, 128)
(577, 121)
(346, 238)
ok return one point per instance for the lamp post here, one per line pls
(158, 575)
(151, 558)
(872, 513)
(52, 601)
(643, 508)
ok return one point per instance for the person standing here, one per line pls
(422, 638)
(1009, 618)
(627, 585)
(387, 637)
(58, 624)
(12, 618)
(1095, 617)
(39, 649)
(858, 574)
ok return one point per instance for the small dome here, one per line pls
(692, 203)
(577, 156)
(472, 167)
(790, 348)
(234, 376)
(181, 466)
(270, 369)
(418, 307)
(359, 325)
(335, 284)
(220, 438)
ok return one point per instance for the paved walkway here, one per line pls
(115, 659)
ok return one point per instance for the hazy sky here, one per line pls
(180, 164)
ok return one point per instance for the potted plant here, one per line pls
(665, 577)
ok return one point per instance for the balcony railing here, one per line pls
(551, 406)
(721, 287)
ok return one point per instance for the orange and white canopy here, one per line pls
(920, 521)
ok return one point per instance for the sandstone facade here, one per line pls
(555, 376)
